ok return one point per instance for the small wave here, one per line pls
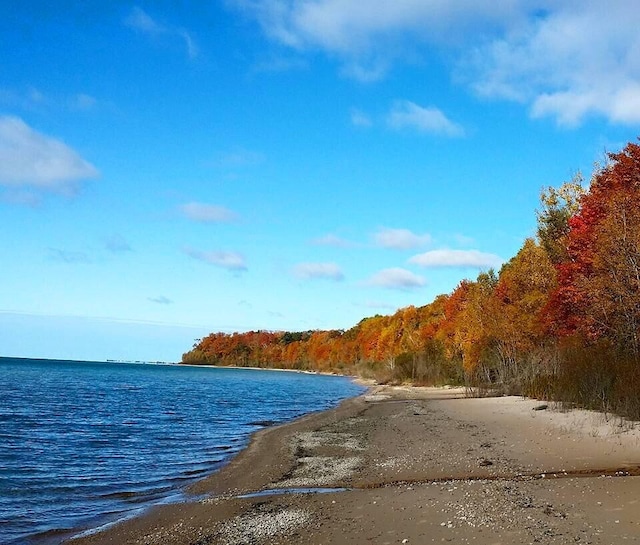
(195, 472)
(221, 448)
(163, 426)
(48, 534)
(129, 387)
(263, 423)
(129, 495)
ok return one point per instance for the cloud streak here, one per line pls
(68, 256)
(29, 158)
(32, 99)
(232, 261)
(160, 300)
(405, 114)
(334, 241)
(400, 239)
(141, 21)
(456, 258)
(396, 278)
(207, 213)
(315, 271)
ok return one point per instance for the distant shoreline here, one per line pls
(253, 368)
(134, 362)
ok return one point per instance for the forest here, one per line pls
(559, 321)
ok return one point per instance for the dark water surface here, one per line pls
(85, 443)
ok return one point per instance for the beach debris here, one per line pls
(542, 407)
(485, 463)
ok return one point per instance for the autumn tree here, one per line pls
(598, 294)
(519, 299)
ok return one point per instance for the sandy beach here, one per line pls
(415, 465)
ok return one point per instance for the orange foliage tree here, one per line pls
(578, 283)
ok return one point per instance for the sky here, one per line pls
(169, 169)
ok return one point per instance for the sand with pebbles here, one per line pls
(416, 465)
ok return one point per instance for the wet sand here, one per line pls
(415, 465)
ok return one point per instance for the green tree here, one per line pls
(557, 207)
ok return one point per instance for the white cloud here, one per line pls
(367, 41)
(576, 60)
(333, 240)
(571, 107)
(30, 158)
(310, 271)
(396, 278)
(232, 261)
(456, 258)
(207, 213)
(407, 115)
(140, 20)
(400, 239)
(564, 59)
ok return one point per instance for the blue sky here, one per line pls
(168, 169)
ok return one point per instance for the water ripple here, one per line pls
(84, 443)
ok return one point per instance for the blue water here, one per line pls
(84, 443)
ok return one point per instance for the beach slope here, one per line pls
(415, 465)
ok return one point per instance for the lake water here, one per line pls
(82, 444)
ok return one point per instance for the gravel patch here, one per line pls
(376, 397)
(318, 471)
(394, 463)
(316, 439)
(257, 527)
(508, 508)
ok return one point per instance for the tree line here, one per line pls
(559, 321)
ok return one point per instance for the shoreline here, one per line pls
(253, 368)
(194, 491)
(450, 467)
